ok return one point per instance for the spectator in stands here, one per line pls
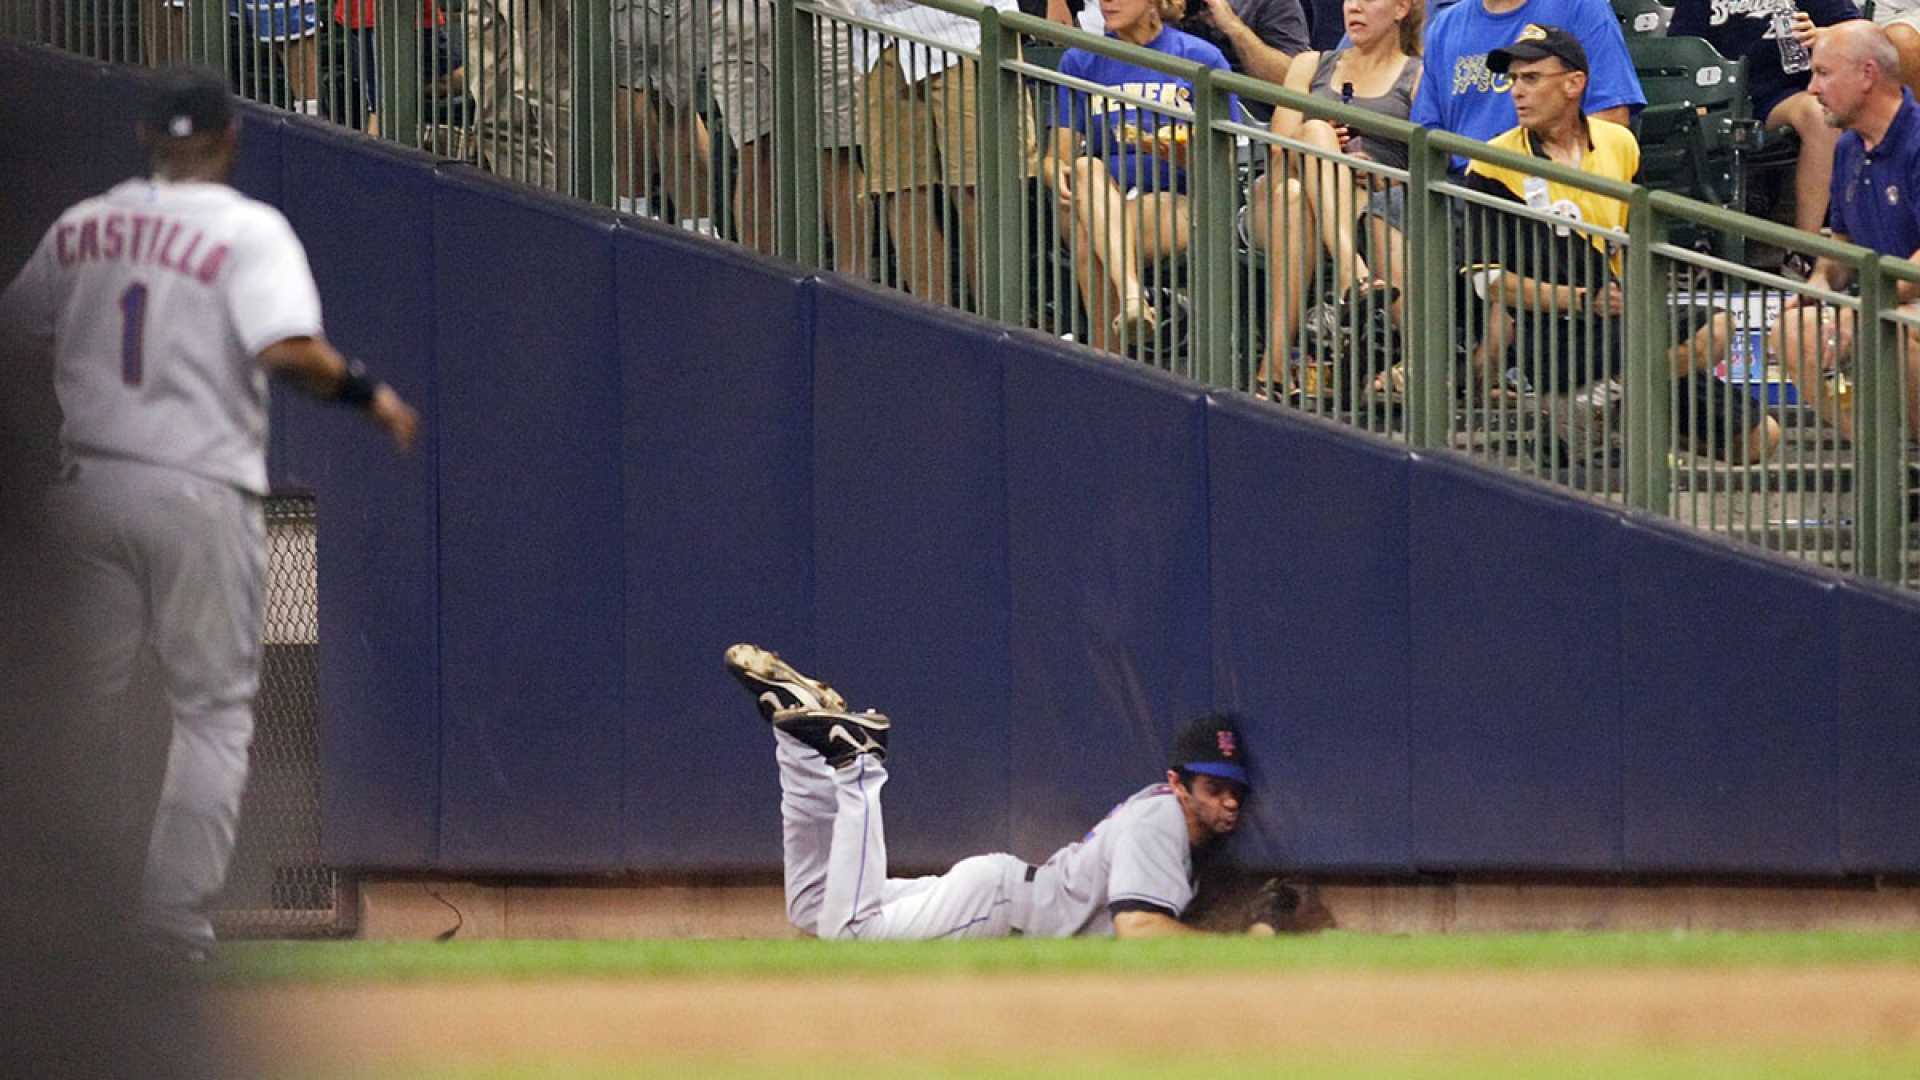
(658, 51)
(1258, 37)
(1458, 92)
(1901, 18)
(292, 28)
(1563, 283)
(1379, 71)
(439, 59)
(1780, 97)
(921, 132)
(1876, 184)
(519, 67)
(741, 78)
(1118, 171)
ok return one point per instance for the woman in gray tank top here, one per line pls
(1321, 203)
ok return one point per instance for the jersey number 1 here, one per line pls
(133, 329)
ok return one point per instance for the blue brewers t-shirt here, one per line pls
(1458, 93)
(1101, 119)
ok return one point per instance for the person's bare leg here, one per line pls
(1090, 277)
(1330, 190)
(753, 196)
(919, 244)
(969, 208)
(1283, 235)
(1100, 210)
(687, 160)
(843, 185)
(1808, 347)
(1813, 171)
(163, 33)
(302, 56)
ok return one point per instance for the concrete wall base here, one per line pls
(415, 908)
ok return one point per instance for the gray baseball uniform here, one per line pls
(836, 865)
(158, 298)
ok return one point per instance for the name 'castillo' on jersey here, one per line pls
(159, 297)
(1139, 853)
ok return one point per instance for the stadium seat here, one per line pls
(1642, 18)
(1698, 135)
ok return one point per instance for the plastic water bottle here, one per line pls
(1794, 57)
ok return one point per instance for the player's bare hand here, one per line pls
(395, 417)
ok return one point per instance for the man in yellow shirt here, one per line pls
(1560, 280)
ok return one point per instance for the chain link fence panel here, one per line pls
(278, 884)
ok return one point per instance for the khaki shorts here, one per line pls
(924, 133)
(660, 45)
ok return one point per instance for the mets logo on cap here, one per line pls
(1224, 740)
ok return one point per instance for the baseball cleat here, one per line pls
(838, 735)
(776, 684)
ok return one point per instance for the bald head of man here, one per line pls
(1856, 76)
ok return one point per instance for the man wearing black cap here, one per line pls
(1131, 875)
(1563, 283)
(165, 303)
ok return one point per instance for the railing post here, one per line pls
(1649, 377)
(796, 162)
(1879, 488)
(206, 33)
(396, 36)
(1000, 108)
(593, 105)
(1210, 177)
(1429, 348)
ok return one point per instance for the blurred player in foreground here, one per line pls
(166, 302)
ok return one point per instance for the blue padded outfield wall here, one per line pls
(642, 447)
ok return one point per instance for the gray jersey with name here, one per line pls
(1140, 852)
(160, 297)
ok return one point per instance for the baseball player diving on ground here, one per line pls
(165, 303)
(1130, 876)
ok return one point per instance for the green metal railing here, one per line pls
(778, 125)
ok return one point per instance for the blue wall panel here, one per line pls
(259, 169)
(379, 557)
(1516, 669)
(532, 536)
(1107, 562)
(66, 132)
(1309, 569)
(1876, 640)
(718, 495)
(911, 549)
(1728, 695)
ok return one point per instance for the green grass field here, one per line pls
(1875, 1036)
(248, 962)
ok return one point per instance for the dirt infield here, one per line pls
(552, 1025)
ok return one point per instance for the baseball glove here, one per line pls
(1289, 908)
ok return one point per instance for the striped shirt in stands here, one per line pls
(954, 31)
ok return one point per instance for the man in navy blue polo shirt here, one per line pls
(1874, 202)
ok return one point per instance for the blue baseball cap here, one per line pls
(1212, 746)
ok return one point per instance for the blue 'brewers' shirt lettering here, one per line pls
(1101, 119)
